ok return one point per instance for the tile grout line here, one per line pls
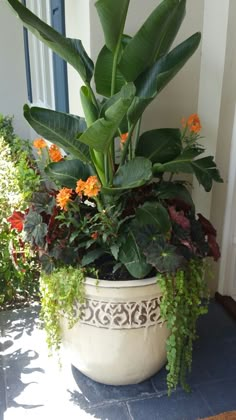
(129, 412)
(205, 401)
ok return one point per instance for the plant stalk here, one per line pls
(126, 146)
(94, 99)
(114, 69)
(137, 132)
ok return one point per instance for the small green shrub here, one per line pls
(18, 267)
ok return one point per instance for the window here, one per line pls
(46, 72)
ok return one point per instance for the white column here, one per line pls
(227, 278)
(214, 43)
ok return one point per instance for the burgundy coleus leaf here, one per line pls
(52, 226)
(16, 220)
(179, 217)
(188, 244)
(214, 249)
(208, 228)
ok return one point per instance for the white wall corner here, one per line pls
(214, 44)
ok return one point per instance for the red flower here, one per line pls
(16, 220)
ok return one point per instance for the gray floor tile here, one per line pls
(180, 406)
(220, 396)
(89, 393)
(110, 412)
(22, 379)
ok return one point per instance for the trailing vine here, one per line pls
(60, 290)
(185, 298)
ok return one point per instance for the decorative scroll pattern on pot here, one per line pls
(121, 315)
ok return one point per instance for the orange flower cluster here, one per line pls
(63, 198)
(124, 137)
(54, 153)
(90, 188)
(193, 123)
(39, 143)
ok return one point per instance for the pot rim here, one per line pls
(118, 284)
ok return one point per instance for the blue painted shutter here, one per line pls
(27, 62)
(59, 65)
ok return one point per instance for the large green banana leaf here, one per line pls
(182, 163)
(71, 50)
(68, 172)
(132, 174)
(153, 39)
(59, 128)
(205, 168)
(151, 82)
(160, 145)
(103, 70)
(100, 134)
(112, 16)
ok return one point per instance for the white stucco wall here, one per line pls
(77, 20)
(13, 90)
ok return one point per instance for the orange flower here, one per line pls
(92, 186)
(123, 137)
(63, 198)
(39, 143)
(54, 153)
(94, 235)
(80, 187)
(194, 123)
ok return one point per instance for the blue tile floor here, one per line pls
(33, 387)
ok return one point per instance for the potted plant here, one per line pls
(118, 239)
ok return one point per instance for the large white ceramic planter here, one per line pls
(121, 338)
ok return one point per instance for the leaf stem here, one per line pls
(126, 146)
(114, 68)
(137, 132)
(93, 96)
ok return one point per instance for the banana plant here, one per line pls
(129, 73)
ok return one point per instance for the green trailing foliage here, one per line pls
(61, 291)
(185, 298)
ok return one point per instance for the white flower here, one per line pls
(89, 203)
